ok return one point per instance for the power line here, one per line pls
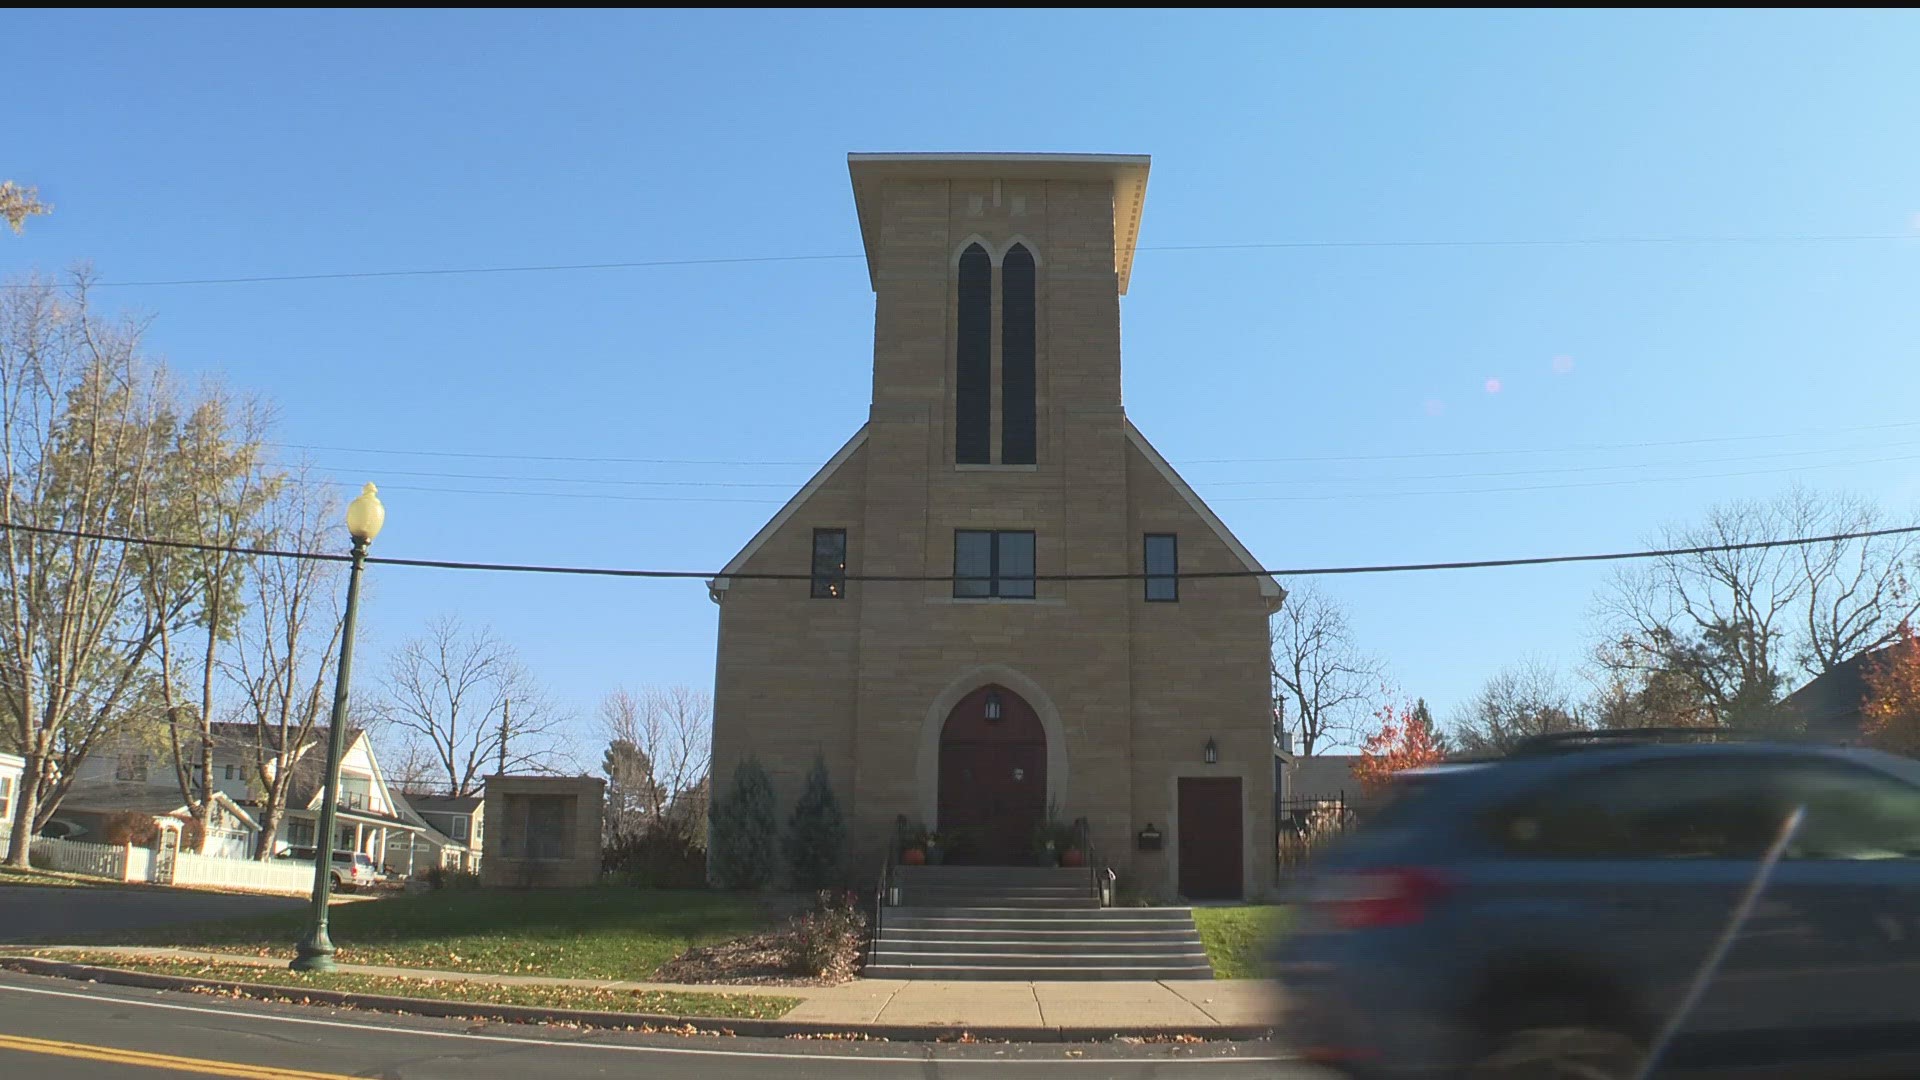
(1564, 487)
(1627, 481)
(1577, 468)
(1264, 245)
(788, 485)
(1317, 571)
(1300, 459)
(1576, 449)
(534, 457)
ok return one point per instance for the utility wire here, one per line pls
(1308, 458)
(1595, 241)
(601, 496)
(1317, 571)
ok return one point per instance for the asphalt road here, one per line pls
(58, 1028)
(31, 913)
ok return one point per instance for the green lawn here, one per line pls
(11, 876)
(603, 932)
(672, 1003)
(1237, 937)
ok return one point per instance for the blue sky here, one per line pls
(216, 144)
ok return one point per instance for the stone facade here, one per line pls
(542, 831)
(1129, 691)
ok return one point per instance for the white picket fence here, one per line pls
(79, 857)
(280, 876)
(123, 863)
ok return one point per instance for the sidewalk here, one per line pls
(1198, 1005)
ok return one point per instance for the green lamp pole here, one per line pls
(365, 515)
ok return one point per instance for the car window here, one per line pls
(1725, 808)
(1852, 813)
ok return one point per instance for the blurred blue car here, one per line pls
(1547, 914)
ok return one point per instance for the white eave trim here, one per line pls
(1268, 586)
(739, 562)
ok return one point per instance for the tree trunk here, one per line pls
(25, 807)
(269, 826)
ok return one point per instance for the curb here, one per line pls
(688, 1025)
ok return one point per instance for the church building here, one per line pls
(996, 629)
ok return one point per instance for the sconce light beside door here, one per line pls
(1213, 753)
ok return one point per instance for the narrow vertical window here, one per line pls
(1163, 562)
(1017, 336)
(829, 564)
(973, 369)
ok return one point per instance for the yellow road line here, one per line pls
(157, 1061)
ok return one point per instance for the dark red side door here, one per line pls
(1210, 838)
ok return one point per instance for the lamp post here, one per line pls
(365, 515)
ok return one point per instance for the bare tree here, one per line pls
(672, 729)
(1858, 592)
(79, 444)
(1730, 623)
(210, 492)
(467, 702)
(1320, 675)
(283, 661)
(1517, 703)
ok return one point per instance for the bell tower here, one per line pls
(997, 280)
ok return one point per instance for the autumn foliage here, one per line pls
(1891, 711)
(1399, 742)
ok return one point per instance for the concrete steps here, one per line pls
(1027, 923)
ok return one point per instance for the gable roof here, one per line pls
(1830, 704)
(1268, 586)
(444, 804)
(734, 566)
(1322, 776)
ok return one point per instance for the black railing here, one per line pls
(1104, 879)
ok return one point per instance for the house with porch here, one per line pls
(455, 834)
(130, 775)
(1012, 610)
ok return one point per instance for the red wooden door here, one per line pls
(993, 779)
(1210, 838)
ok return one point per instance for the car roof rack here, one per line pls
(1560, 741)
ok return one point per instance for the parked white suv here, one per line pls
(351, 870)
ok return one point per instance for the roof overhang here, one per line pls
(1127, 172)
(738, 563)
(1269, 588)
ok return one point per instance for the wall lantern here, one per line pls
(1149, 838)
(1213, 753)
(993, 704)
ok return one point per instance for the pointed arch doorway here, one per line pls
(993, 779)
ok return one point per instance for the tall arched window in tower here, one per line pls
(1017, 439)
(973, 376)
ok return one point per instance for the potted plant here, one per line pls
(1050, 842)
(913, 844)
(1073, 856)
(934, 850)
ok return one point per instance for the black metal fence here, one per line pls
(1304, 823)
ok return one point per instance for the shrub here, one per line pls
(658, 856)
(816, 837)
(744, 830)
(827, 941)
(129, 827)
(442, 877)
